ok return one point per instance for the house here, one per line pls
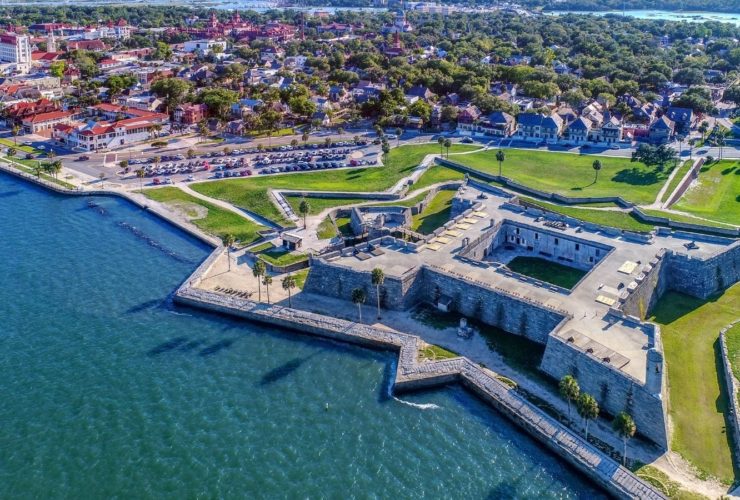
(204, 47)
(683, 119)
(608, 132)
(89, 45)
(579, 130)
(17, 112)
(661, 130)
(537, 127)
(420, 92)
(245, 106)
(189, 114)
(497, 124)
(94, 136)
(291, 241)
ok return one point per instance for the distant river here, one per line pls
(697, 17)
(108, 390)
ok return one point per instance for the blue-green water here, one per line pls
(109, 390)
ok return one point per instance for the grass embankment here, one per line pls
(28, 166)
(546, 270)
(326, 229)
(344, 224)
(612, 218)
(20, 147)
(715, 195)
(684, 218)
(665, 484)
(698, 402)
(732, 339)
(318, 205)
(436, 174)
(252, 193)
(278, 256)
(435, 214)
(410, 202)
(432, 352)
(680, 173)
(300, 277)
(573, 175)
(210, 218)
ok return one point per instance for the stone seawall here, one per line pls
(614, 390)
(412, 374)
(732, 388)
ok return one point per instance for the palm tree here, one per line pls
(626, 428)
(587, 408)
(569, 389)
(304, 137)
(15, 131)
(340, 131)
(229, 241)
(447, 145)
(304, 208)
(140, 173)
(441, 142)
(721, 141)
(259, 269)
(500, 157)
(55, 168)
(202, 129)
(399, 131)
(51, 154)
(597, 167)
(38, 169)
(101, 176)
(12, 151)
(267, 281)
(377, 278)
(288, 284)
(358, 297)
(703, 128)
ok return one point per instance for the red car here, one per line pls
(156, 181)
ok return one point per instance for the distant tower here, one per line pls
(214, 21)
(237, 17)
(51, 43)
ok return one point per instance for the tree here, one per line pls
(304, 137)
(55, 167)
(101, 176)
(123, 164)
(15, 131)
(218, 101)
(597, 166)
(304, 208)
(500, 157)
(399, 131)
(267, 281)
(140, 173)
(441, 142)
(732, 94)
(12, 151)
(57, 69)
(288, 284)
(258, 270)
(385, 147)
(625, 427)
(703, 129)
(203, 129)
(652, 155)
(569, 389)
(720, 138)
(587, 408)
(191, 153)
(172, 90)
(358, 297)
(447, 145)
(229, 240)
(377, 278)
(163, 52)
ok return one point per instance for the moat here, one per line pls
(117, 390)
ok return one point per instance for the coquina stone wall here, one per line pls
(614, 390)
(651, 286)
(703, 277)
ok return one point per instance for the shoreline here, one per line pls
(410, 373)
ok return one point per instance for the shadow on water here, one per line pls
(193, 344)
(284, 370)
(216, 348)
(9, 194)
(167, 346)
(153, 243)
(149, 304)
(91, 205)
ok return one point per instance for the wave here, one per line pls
(389, 392)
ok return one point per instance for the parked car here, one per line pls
(83, 158)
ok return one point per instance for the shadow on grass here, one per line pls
(638, 177)
(672, 306)
(722, 406)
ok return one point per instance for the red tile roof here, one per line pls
(47, 117)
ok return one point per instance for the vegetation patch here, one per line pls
(278, 256)
(665, 484)
(300, 277)
(432, 352)
(698, 401)
(684, 218)
(318, 205)
(573, 175)
(680, 173)
(715, 193)
(546, 270)
(210, 218)
(437, 174)
(612, 218)
(435, 214)
(732, 339)
(326, 229)
(344, 224)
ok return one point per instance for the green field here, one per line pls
(573, 175)
(318, 205)
(252, 193)
(326, 229)
(436, 174)
(676, 179)
(434, 352)
(716, 195)
(611, 218)
(344, 225)
(546, 270)
(217, 221)
(683, 218)
(435, 214)
(697, 403)
(732, 339)
(278, 256)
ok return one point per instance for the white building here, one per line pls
(204, 47)
(16, 50)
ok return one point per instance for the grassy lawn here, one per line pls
(573, 175)
(26, 149)
(344, 224)
(732, 338)
(716, 195)
(435, 214)
(326, 229)
(216, 221)
(611, 218)
(684, 218)
(402, 203)
(300, 277)
(676, 179)
(545, 270)
(278, 256)
(318, 205)
(433, 352)
(665, 484)
(252, 194)
(28, 166)
(436, 174)
(275, 133)
(698, 402)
